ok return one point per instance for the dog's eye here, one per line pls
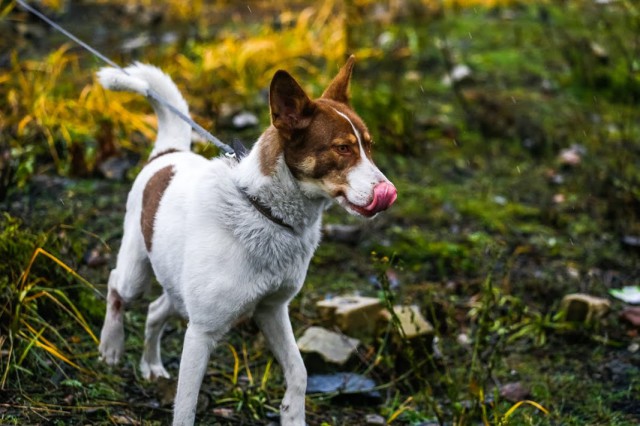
(343, 149)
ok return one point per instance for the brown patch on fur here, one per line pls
(270, 149)
(151, 197)
(117, 305)
(114, 301)
(161, 153)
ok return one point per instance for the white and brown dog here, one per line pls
(228, 240)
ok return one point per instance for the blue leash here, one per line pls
(229, 152)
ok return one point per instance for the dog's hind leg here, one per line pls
(126, 282)
(160, 310)
(112, 334)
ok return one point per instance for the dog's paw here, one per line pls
(111, 352)
(111, 343)
(153, 371)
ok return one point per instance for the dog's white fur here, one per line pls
(217, 258)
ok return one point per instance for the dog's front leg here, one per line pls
(274, 323)
(193, 364)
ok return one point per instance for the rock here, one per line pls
(631, 315)
(500, 200)
(136, 42)
(347, 385)
(514, 392)
(572, 156)
(599, 52)
(559, 199)
(244, 120)
(580, 307)
(115, 168)
(225, 413)
(631, 241)
(460, 73)
(375, 419)
(412, 322)
(333, 348)
(348, 234)
(464, 340)
(354, 315)
(573, 272)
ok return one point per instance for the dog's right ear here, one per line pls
(291, 108)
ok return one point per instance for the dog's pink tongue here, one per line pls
(384, 194)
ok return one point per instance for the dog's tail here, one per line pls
(173, 132)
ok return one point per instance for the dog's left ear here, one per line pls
(291, 108)
(338, 90)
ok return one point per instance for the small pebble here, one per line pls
(463, 339)
(375, 419)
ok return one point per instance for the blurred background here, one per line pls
(510, 128)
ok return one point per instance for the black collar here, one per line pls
(266, 211)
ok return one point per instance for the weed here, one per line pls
(34, 311)
(248, 396)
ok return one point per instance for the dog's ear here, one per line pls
(338, 90)
(291, 108)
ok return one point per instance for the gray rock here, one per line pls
(244, 120)
(332, 347)
(137, 42)
(348, 234)
(375, 419)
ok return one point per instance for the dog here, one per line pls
(230, 239)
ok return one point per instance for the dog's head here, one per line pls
(327, 146)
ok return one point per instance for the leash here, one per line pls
(229, 152)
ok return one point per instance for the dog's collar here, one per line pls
(265, 210)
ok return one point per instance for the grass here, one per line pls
(489, 232)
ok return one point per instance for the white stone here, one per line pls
(332, 347)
